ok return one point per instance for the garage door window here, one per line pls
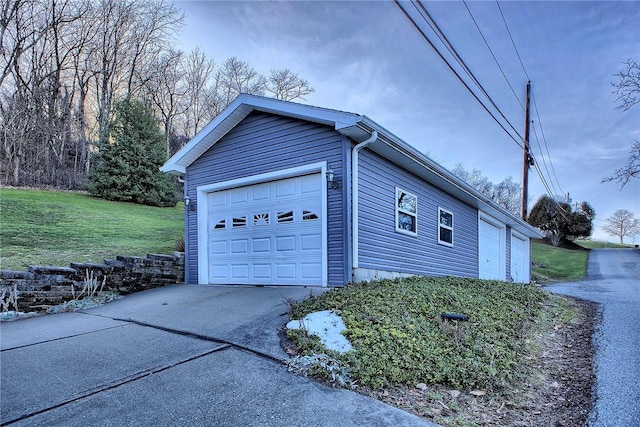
(260, 219)
(445, 227)
(238, 222)
(406, 213)
(309, 216)
(284, 217)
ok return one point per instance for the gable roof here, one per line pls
(358, 128)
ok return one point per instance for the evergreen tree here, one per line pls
(127, 167)
(558, 221)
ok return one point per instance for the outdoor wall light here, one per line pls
(188, 205)
(331, 179)
(455, 316)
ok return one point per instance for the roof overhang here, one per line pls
(356, 127)
(237, 111)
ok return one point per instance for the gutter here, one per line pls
(354, 196)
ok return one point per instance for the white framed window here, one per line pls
(406, 212)
(445, 227)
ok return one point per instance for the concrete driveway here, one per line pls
(180, 356)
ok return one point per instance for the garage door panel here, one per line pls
(285, 271)
(311, 242)
(239, 246)
(285, 243)
(261, 193)
(239, 196)
(218, 271)
(285, 188)
(262, 245)
(218, 247)
(311, 269)
(268, 233)
(239, 271)
(490, 251)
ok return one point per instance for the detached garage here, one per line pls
(279, 193)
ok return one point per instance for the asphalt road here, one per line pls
(613, 280)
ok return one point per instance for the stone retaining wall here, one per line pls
(43, 286)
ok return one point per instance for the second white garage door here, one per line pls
(519, 259)
(490, 251)
(267, 234)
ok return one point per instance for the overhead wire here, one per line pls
(512, 41)
(544, 161)
(539, 122)
(450, 67)
(492, 54)
(445, 41)
(544, 139)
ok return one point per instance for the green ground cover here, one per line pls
(56, 228)
(399, 338)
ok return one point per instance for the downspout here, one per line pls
(185, 215)
(354, 197)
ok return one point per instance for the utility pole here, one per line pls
(527, 160)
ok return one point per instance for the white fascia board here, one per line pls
(407, 156)
(240, 108)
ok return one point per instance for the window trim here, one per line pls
(446, 227)
(399, 210)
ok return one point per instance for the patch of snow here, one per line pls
(327, 326)
(7, 316)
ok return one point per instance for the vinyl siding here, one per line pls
(264, 143)
(382, 248)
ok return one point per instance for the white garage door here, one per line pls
(267, 234)
(490, 251)
(519, 259)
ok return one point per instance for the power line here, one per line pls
(492, 54)
(544, 161)
(464, 83)
(544, 139)
(515, 48)
(512, 42)
(445, 41)
(431, 23)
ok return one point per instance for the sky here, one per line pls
(366, 57)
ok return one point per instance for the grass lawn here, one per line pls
(558, 263)
(594, 244)
(56, 228)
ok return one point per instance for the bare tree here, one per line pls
(628, 90)
(627, 87)
(621, 223)
(630, 170)
(166, 89)
(507, 193)
(287, 85)
(198, 71)
(65, 63)
(236, 77)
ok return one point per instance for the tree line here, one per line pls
(65, 64)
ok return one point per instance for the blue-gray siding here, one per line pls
(264, 143)
(382, 248)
